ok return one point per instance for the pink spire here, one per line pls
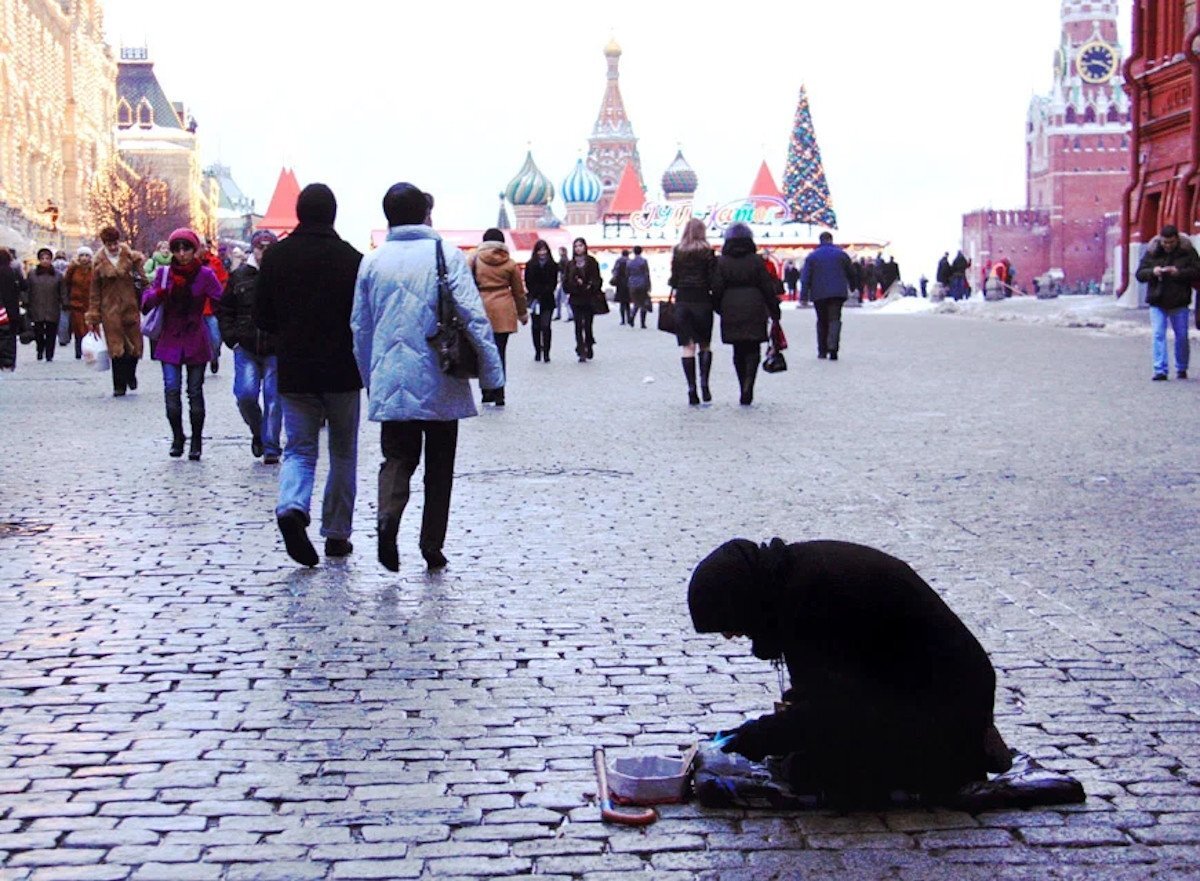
(764, 184)
(281, 213)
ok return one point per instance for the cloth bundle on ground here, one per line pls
(724, 780)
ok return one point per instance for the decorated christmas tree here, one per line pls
(804, 185)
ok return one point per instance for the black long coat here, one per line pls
(305, 296)
(541, 282)
(743, 293)
(583, 286)
(889, 689)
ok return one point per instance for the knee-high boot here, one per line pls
(705, 372)
(175, 420)
(119, 379)
(689, 371)
(194, 449)
(750, 375)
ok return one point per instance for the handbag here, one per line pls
(667, 322)
(453, 345)
(152, 321)
(64, 328)
(778, 339)
(774, 362)
(599, 303)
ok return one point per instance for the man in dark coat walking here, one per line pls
(889, 689)
(305, 296)
(826, 279)
(1170, 266)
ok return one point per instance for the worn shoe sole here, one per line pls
(295, 539)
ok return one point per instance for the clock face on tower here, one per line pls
(1096, 62)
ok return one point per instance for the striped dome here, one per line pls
(581, 185)
(679, 177)
(530, 186)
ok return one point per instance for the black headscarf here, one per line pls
(738, 588)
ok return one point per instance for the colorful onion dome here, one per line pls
(679, 177)
(582, 185)
(530, 186)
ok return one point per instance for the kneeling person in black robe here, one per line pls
(889, 690)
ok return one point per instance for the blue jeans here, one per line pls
(1178, 320)
(214, 336)
(302, 417)
(252, 374)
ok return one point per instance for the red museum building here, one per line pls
(1162, 76)
(1077, 163)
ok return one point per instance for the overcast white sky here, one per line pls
(919, 107)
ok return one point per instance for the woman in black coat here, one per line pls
(889, 690)
(692, 264)
(10, 300)
(744, 296)
(541, 283)
(584, 285)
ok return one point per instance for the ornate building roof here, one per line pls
(764, 183)
(612, 144)
(679, 178)
(530, 186)
(138, 87)
(281, 213)
(581, 185)
(630, 196)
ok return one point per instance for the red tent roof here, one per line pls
(630, 196)
(764, 184)
(281, 213)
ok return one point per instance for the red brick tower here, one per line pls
(1077, 148)
(1077, 162)
(612, 143)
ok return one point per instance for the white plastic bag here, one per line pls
(95, 352)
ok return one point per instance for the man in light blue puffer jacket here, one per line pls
(395, 313)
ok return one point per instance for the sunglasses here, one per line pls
(176, 247)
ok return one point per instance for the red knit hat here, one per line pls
(183, 234)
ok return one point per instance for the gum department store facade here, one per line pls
(63, 117)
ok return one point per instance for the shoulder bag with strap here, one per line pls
(454, 347)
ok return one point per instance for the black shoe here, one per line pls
(177, 447)
(389, 556)
(293, 527)
(195, 448)
(338, 547)
(746, 399)
(1160, 377)
(1182, 374)
(132, 383)
(270, 460)
(591, 353)
(118, 393)
(256, 448)
(583, 359)
(537, 356)
(693, 398)
(705, 394)
(822, 355)
(434, 559)
(833, 356)
(546, 360)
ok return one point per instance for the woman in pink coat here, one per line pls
(182, 290)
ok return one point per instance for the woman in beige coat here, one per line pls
(502, 290)
(114, 303)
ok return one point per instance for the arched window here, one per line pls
(1114, 115)
(145, 114)
(1089, 115)
(124, 114)
(1072, 116)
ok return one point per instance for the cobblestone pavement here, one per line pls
(178, 701)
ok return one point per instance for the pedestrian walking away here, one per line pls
(692, 266)
(828, 278)
(584, 285)
(304, 295)
(395, 315)
(1170, 266)
(115, 303)
(637, 273)
(45, 299)
(213, 262)
(889, 689)
(744, 295)
(184, 346)
(255, 365)
(541, 280)
(560, 295)
(502, 289)
(11, 322)
(620, 283)
(78, 284)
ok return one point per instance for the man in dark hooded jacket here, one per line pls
(304, 296)
(889, 690)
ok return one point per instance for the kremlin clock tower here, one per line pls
(1077, 161)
